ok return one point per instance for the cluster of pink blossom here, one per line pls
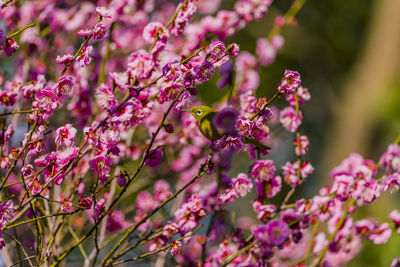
(111, 158)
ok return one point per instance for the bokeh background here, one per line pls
(348, 55)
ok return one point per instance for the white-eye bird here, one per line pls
(204, 116)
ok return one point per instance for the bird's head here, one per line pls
(200, 112)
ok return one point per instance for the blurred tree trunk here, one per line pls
(349, 130)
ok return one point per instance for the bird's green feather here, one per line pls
(204, 116)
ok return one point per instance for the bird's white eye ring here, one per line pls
(199, 112)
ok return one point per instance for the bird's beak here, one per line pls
(186, 110)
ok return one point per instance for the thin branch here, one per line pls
(333, 235)
(76, 238)
(289, 16)
(132, 229)
(79, 50)
(14, 163)
(20, 30)
(22, 247)
(6, 3)
(106, 56)
(397, 141)
(35, 219)
(19, 112)
(237, 253)
(159, 250)
(25, 259)
(310, 244)
(261, 110)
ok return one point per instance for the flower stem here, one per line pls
(176, 14)
(333, 235)
(237, 253)
(290, 14)
(19, 112)
(397, 141)
(277, 94)
(133, 228)
(102, 74)
(18, 156)
(32, 220)
(79, 50)
(20, 30)
(159, 250)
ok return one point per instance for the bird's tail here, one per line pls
(258, 144)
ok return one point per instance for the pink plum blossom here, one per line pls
(66, 135)
(263, 170)
(242, 184)
(290, 119)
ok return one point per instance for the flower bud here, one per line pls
(169, 128)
